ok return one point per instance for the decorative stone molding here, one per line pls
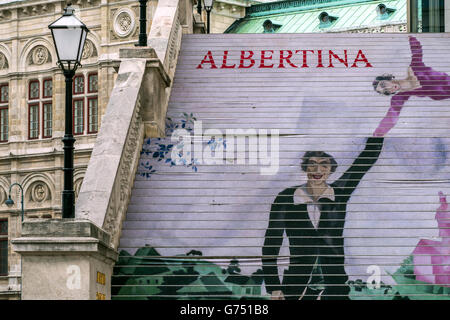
(85, 3)
(39, 189)
(4, 188)
(39, 192)
(89, 50)
(165, 34)
(136, 108)
(174, 44)
(382, 29)
(3, 196)
(3, 62)
(5, 15)
(34, 10)
(124, 22)
(77, 186)
(39, 55)
(122, 189)
(103, 198)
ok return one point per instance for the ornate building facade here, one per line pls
(32, 107)
(32, 99)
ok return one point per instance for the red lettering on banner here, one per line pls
(282, 58)
(333, 55)
(224, 63)
(305, 52)
(243, 57)
(319, 59)
(285, 59)
(208, 59)
(362, 59)
(263, 57)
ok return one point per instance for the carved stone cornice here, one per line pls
(28, 9)
(381, 29)
(36, 9)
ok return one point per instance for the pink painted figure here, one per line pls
(432, 258)
(422, 81)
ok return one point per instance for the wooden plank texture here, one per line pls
(226, 209)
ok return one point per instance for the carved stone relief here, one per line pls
(40, 192)
(124, 22)
(89, 50)
(3, 62)
(122, 188)
(2, 196)
(77, 187)
(39, 55)
(174, 44)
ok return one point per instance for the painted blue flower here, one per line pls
(148, 170)
(159, 149)
(170, 126)
(188, 121)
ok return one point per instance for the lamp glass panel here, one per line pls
(67, 21)
(208, 3)
(67, 42)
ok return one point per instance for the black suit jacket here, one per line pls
(304, 240)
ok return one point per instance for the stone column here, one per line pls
(65, 260)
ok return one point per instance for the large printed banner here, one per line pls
(304, 166)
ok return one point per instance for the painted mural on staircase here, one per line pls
(355, 206)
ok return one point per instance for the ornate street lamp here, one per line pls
(208, 4)
(142, 24)
(10, 202)
(69, 36)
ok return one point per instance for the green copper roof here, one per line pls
(302, 16)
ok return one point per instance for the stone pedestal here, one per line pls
(64, 260)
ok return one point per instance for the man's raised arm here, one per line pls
(416, 50)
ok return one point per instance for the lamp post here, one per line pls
(142, 24)
(10, 202)
(69, 36)
(208, 4)
(199, 6)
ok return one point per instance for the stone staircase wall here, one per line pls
(136, 109)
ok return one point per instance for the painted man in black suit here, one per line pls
(313, 217)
